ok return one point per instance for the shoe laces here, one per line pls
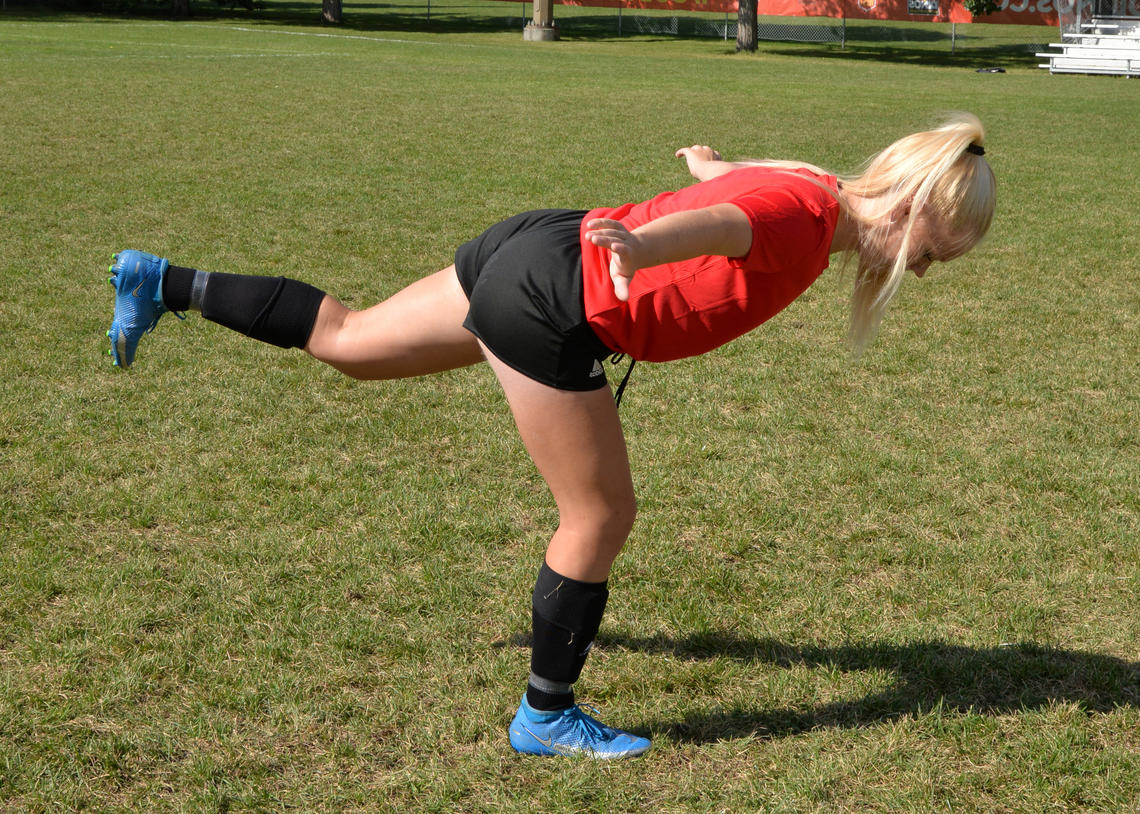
(154, 322)
(588, 725)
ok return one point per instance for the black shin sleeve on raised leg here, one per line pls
(276, 310)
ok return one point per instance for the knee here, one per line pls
(335, 341)
(611, 522)
(327, 340)
(624, 517)
(589, 538)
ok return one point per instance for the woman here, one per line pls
(543, 296)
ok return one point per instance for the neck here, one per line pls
(846, 237)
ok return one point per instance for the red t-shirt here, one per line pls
(685, 309)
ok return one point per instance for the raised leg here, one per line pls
(417, 331)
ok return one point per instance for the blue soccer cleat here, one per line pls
(137, 278)
(570, 732)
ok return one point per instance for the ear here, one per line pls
(902, 209)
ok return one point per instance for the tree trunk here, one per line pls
(746, 25)
(330, 11)
(180, 8)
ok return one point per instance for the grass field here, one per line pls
(231, 580)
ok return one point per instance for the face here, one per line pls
(930, 242)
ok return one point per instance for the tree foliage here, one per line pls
(979, 8)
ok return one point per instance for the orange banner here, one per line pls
(1015, 12)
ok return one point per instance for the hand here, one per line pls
(622, 245)
(697, 155)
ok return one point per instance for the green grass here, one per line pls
(231, 580)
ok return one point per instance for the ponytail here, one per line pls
(939, 171)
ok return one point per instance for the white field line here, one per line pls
(196, 56)
(335, 36)
(223, 53)
(242, 29)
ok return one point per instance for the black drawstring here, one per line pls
(617, 357)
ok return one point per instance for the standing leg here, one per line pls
(575, 440)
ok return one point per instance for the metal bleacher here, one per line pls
(1099, 45)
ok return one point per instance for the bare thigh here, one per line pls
(576, 441)
(418, 330)
(574, 438)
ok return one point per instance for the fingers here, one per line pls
(620, 275)
(606, 233)
(621, 268)
(621, 286)
(603, 223)
(613, 236)
(608, 240)
(700, 152)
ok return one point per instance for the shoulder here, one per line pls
(779, 194)
(797, 181)
(793, 214)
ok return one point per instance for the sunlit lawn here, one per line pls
(234, 581)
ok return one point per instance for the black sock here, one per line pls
(176, 285)
(276, 310)
(566, 617)
(548, 701)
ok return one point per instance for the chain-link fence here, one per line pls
(954, 38)
(638, 23)
(633, 23)
(1079, 15)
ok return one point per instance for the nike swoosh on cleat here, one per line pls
(142, 282)
(549, 744)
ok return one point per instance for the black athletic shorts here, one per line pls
(523, 278)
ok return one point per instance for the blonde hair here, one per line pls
(931, 171)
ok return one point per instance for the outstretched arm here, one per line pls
(721, 229)
(705, 162)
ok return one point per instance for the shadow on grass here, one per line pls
(929, 675)
(359, 18)
(883, 44)
(1002, 56)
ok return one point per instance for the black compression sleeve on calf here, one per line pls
(566, 617)
(276, 310)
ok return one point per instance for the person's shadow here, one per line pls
(928, 675)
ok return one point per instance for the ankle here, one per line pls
(178, 285)
(548, 696)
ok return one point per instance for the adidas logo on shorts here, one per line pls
(598, 370)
